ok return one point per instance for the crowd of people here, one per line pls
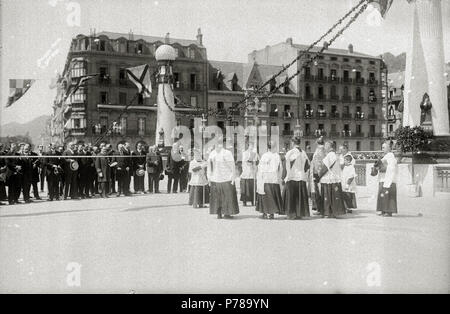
(285, 186)
(85, 171)
(274, 183)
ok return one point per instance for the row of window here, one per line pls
(333, 73)
(320, 93)
(344, 59)
(124, 46)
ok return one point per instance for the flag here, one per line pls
(140, 76)
(383, 6)
(17, 88)
(81, 81)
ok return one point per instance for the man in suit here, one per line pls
(14, 176)
(139, 164)
(123, 171)
(42, 171)
(103, 171)
(112, 183)
(70, 174)
(53, 171)
(35, 177)
(83, 172)
(154, 168)
(127, 152)
(3, 196)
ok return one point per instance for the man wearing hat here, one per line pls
(53, 171)
(103, 171)
(71, 166)
(138, 162)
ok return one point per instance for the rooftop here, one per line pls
(151, 39)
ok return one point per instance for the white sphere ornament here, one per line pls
(165, 52)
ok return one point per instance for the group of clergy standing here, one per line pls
(285, 186)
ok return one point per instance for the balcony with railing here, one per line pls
(347, 80)
(334, 115)
(308, 97)
(359, 116)
(373, 117)
(375, 134)
(321, 97)
(334, 97)
(358, 134)
(76, 132)
(321, 78)
(346, 98)
(372, 82)
(346, 133)
(321, 114)
(104, 79)
(287, 115)
(346, 116)
(359, 99)
(359, 80)
(273, 114)
(320, 132)
(123, 82)
(288, 132)
(372, 99)
(308, 114)
(334, 134)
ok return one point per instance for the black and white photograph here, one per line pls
(224, 147)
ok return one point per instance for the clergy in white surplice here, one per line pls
(269, 200)
(295, 194)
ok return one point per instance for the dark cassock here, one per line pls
(139, 164)
(269, 200)
(199, 189)
(331, 187)
(42, 171)
(184, 174)
(295, 194)
(128, 173)
(71, 166)
(102, 166)
(221, 174)
(247, 181)
(387, 187)
(154, 170)
(53, 169)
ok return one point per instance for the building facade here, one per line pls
(95, 106)
(340, 94)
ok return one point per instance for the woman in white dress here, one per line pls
(221, 175)
(269, 200)
(387, 188)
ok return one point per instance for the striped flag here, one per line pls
(383, 5)
(81, 81)
(18, 88)
(140, 76)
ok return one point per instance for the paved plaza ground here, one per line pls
(156, 243)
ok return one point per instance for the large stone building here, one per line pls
(92, 109)
(339, 96)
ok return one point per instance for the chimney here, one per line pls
(350, 48)
(199, 37)
(167, 39)
(289, 41)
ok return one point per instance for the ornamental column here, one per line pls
(425, 67)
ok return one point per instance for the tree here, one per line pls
(412, 140)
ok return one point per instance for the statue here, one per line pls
(425, 113)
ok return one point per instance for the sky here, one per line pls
(36, 34)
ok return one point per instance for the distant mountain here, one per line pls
(33, 129)
(398, 63)
(395, 63)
